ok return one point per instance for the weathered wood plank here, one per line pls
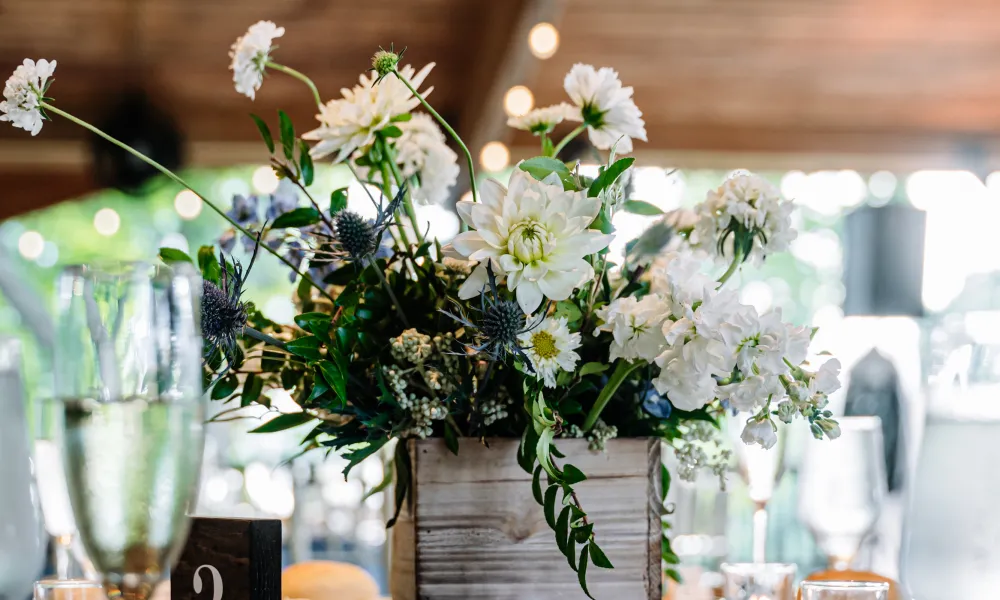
(477, 532)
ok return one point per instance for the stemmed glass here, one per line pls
(128, 387)
(761, 470)
(842, 488)
(844, 590)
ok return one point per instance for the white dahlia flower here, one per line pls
(607, 107)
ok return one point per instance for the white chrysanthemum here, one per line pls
(607, 107)
(250, 54)
(543, 120)
(551, 347)
(636, 325)
(535, 233)
(349, 123)
(422, 152)
(754, 203)
(23, 94)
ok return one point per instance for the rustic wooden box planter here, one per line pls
(476, 533)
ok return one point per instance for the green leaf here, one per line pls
(541, 167)
(306, 164)
(283, 422)
(335, 378)
(550, 505)
(401, 462)
(608, 176)
(252, 388)
(208, 264)
(319, 388)
(638, 207)
(571, 551)
(569, 310)
(570, 407)
(304, 289)
(581, 572)
(664, 481)
(592, 368)
(584, 533)
(673, 574)
(391, 131)
(598, 558)
(562, 529)
(264, 132)
(225, 387)
(526, 452)
(299, 217)
(338, 200)
(311, 321)
(359, 454)
(307, 347)
(536, 485)
(287, 135)
(173, 255)
(450, 438)
(572, 475)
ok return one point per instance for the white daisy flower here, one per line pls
(422, 152)
(636, 325)
(349, 123)
(535, 233)
(544, 120)
(753, 203)
(607, 107)
(551, 347)
(250, 54)
(23, 95)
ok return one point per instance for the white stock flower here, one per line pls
(764, 344)
(760, 432)
(534, 233)
(679, 277)
(349, 123)
(682, 218)
(543, 120)
(755, 204)
(551, 347)
(688, 369)
(827, 378)
(751, 393)
(635, 325)
(250, 53)
(23, 94)
(422, 152)
(606, 107)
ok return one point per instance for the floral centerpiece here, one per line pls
(522, 326)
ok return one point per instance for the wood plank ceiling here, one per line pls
(872, 77)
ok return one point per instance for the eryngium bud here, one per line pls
(355, 234)
(223, 316)
(502, 322)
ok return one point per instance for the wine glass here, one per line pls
(128, 385)
(758, 581)
(68, 589)
(761, 470)
(844, 590)
(842, 488)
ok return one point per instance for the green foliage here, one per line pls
(299, 217)
(283, 422)
(173, 255)
(638, 207)
(265, 133)
(609, 175)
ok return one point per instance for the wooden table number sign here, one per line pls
(229, 559)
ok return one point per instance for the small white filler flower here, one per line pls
(250, 53)
(23, 95)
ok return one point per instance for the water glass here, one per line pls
(69, 589)
(758, 581)
(844, 590)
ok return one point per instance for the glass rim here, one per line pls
(751, 567)
(847, 585)
(119, 267)
(860, 423)
(73, 584)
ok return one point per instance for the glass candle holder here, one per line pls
(69, 589)
(844, 590)
(758, 581)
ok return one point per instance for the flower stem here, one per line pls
(440, 119)
(569, 137)
(388, 290)
(407, 198)
(250, 331)
(737, 260)
(622, 370)
(298, 75)
(185, 184)
(387, 191)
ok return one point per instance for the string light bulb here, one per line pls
(518, 101)
(543, 40)
(107, 221)
(187, 204)
(494, 156)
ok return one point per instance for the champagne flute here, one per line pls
(842, 488)
(128, 385)
(761, 470)
(844, 590)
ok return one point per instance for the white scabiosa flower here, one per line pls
(349, 123)
(635, 325)
(249, 56)
(543, 120)
(23, 94)
(761, 433)
(551, 347)
(606, 107)
(744, 205)
(535, 233)
(422, 153)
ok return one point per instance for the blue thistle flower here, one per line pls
(223, 313)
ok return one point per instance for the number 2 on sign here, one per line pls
(216, 581)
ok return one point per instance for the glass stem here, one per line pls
(62, 546)
(760, 534)
(298, 75)
(451, 132)
(185, 184)
(569, 137)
